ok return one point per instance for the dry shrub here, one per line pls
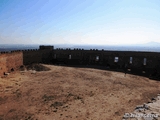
(37, 67)
(22, 68)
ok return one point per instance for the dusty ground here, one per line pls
(66, 93)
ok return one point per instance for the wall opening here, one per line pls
(69, 56)
(116, 59)
(130, 60)
(143, 71)
(144, 61)
(97, 58)
(108, 66)
(55, 56)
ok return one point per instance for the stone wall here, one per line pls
(115, 60)
(3, 67)
(37, 56)
(135, 60)
(11, 60)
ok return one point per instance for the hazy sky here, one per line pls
(79, 21)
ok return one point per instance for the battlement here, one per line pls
(30, 50)
(10, 52)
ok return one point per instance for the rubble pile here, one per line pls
(147, 111)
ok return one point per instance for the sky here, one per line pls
(98, 22)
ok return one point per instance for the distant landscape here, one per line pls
(149, 47)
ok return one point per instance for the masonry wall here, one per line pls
(14, 60)
(8, 61)
(36, 56)
(46, 54)
(3, 67)
(107, 58)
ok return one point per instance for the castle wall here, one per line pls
(8, 61)
(14, 60)
(3, 67)
(107, 58)
(36, 56)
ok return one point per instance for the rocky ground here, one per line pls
(147, 111)
(66, 93)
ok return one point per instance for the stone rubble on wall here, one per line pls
(147, 111)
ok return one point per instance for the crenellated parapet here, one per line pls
(76, 49)
(3, 52)
(10, 52)
(30, 50)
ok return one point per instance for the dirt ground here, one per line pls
(66, 93)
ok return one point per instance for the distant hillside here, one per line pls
(149, 44)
